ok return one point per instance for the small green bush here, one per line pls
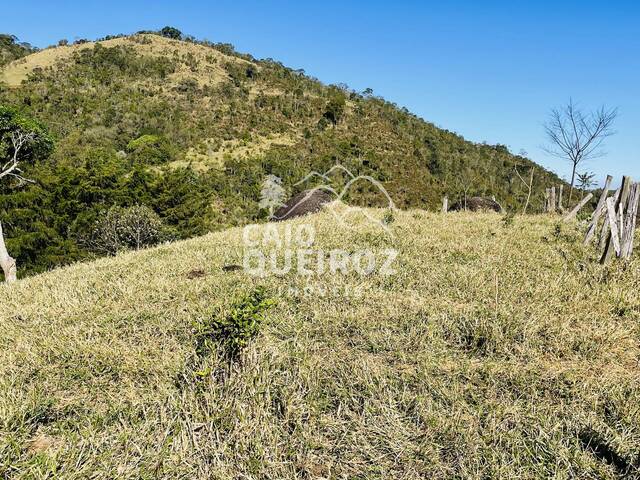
(388, 217)
(150, 150)
(232, 332)
(507, 219)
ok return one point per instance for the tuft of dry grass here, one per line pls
(493, 352)
(42, 443)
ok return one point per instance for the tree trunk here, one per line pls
(7, 263)
(573, 180)
(524, 211)
(560, 206)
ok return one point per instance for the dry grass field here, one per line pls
(498, 350)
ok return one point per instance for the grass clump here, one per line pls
(388, 217)
(232, 332)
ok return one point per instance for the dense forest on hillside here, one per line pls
(190, 129)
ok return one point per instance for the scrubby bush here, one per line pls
(150, 150)
(232, 332)
(134, 227)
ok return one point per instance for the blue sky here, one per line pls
(488, 70)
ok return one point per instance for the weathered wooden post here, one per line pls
(595, 217)
(552, 200)
(613, 224)
(626, 243)
(578, 207)
(616, 205)
(604, 233)
(625, 189)
(445, 204)
(560, 207)
(547, 194)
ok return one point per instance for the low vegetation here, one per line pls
(500, 348)
(231, 333)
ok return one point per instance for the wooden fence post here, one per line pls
(625, 189)
(445, 204)
(552, 200)
(614, 238)
(626, 243)
(547, 194)
(618, 204)
(595, 217)
(577, 208)
(560, 207)
(604, 234)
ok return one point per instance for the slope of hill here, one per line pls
(11, 49)
(212, 123)
(495, 351)
(148, 45)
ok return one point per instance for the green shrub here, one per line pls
(232, 332)
(150, 150)
(507, 219)
(388, 217)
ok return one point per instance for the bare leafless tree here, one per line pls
(576, 136)
(465, 179)
(528, 185)
(11, 169)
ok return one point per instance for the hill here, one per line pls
(11, 49)
(192, 128)
(494, 351)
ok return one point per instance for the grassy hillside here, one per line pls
(497, 350)
(215, 122)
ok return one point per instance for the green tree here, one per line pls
(171, 32)
(11, 49)
(335, 105)
(21, 140)
(586, 180)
